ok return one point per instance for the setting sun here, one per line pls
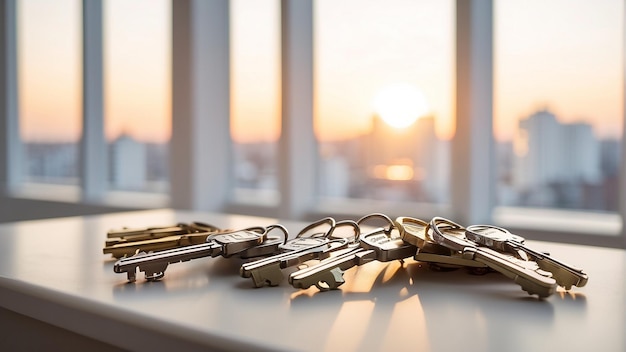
(399, 105)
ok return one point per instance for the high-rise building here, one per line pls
(549, 155)
(128, 163)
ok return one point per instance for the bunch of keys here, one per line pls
(247, 243)
(382, 244)
(491, 247)
(316, 241)
(439, 258)
(504, 241)
(127, 242)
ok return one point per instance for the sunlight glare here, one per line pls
(399, 105)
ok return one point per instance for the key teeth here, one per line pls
(262, 281)
(334, 280)
(534, 289)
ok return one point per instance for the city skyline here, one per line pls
(569, 59)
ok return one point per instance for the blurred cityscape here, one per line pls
(133, 166)
(548, 164)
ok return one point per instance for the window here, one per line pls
(558, 142)
(255, 94)
(383, 99)
(49, 81)
(137, 61)
(558, 116)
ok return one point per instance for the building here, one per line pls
(128, 163)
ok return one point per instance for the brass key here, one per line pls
(139, 234)
(438, 257)
(502, 240)
(382, 244)
(307, 245)
(128, 242)
(452, 235)
(226, 245)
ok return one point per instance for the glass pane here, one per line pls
(49, 80)
(255, 92)
(137, 66)
(558, 103)
(383, 98)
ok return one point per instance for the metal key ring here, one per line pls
(357, 229)
(280, 227)
(328, 220)
(379, 215)
(455, 242)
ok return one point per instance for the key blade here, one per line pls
(530, 281)
(154, 264)
(564, 275)
(128, 249)
(328, 274)
(268, 274)
(454, 259)
(138, 234)
(298, 250)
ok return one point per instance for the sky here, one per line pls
(566, 55)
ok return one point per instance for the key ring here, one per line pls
(452, 241)
(355, 226)
(281, 228)
(387, 219)
(328, 220)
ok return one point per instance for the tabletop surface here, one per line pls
(54, 270)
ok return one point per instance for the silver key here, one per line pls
(383, 244)
(226, 245)
(502, 240)
(308, 244)
(452, 235)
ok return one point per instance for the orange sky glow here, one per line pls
(564, 55)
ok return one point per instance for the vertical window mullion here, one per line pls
(297, 146)
(473, 169)
(200, 148)
(622, 174)
(93, 144)
(10, 147)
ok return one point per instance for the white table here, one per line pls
(54, 271)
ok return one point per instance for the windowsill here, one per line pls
(72, 194)
(555, 225)
(587, 222)
(558, 225)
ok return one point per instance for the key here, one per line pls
(452, 235)
(226, 245)
(127, 242)
(307, 245)
(124, 249)
(139, 234)
(502, 240)
(382, 244)
(438, 257)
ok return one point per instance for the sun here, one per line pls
(399, 105)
